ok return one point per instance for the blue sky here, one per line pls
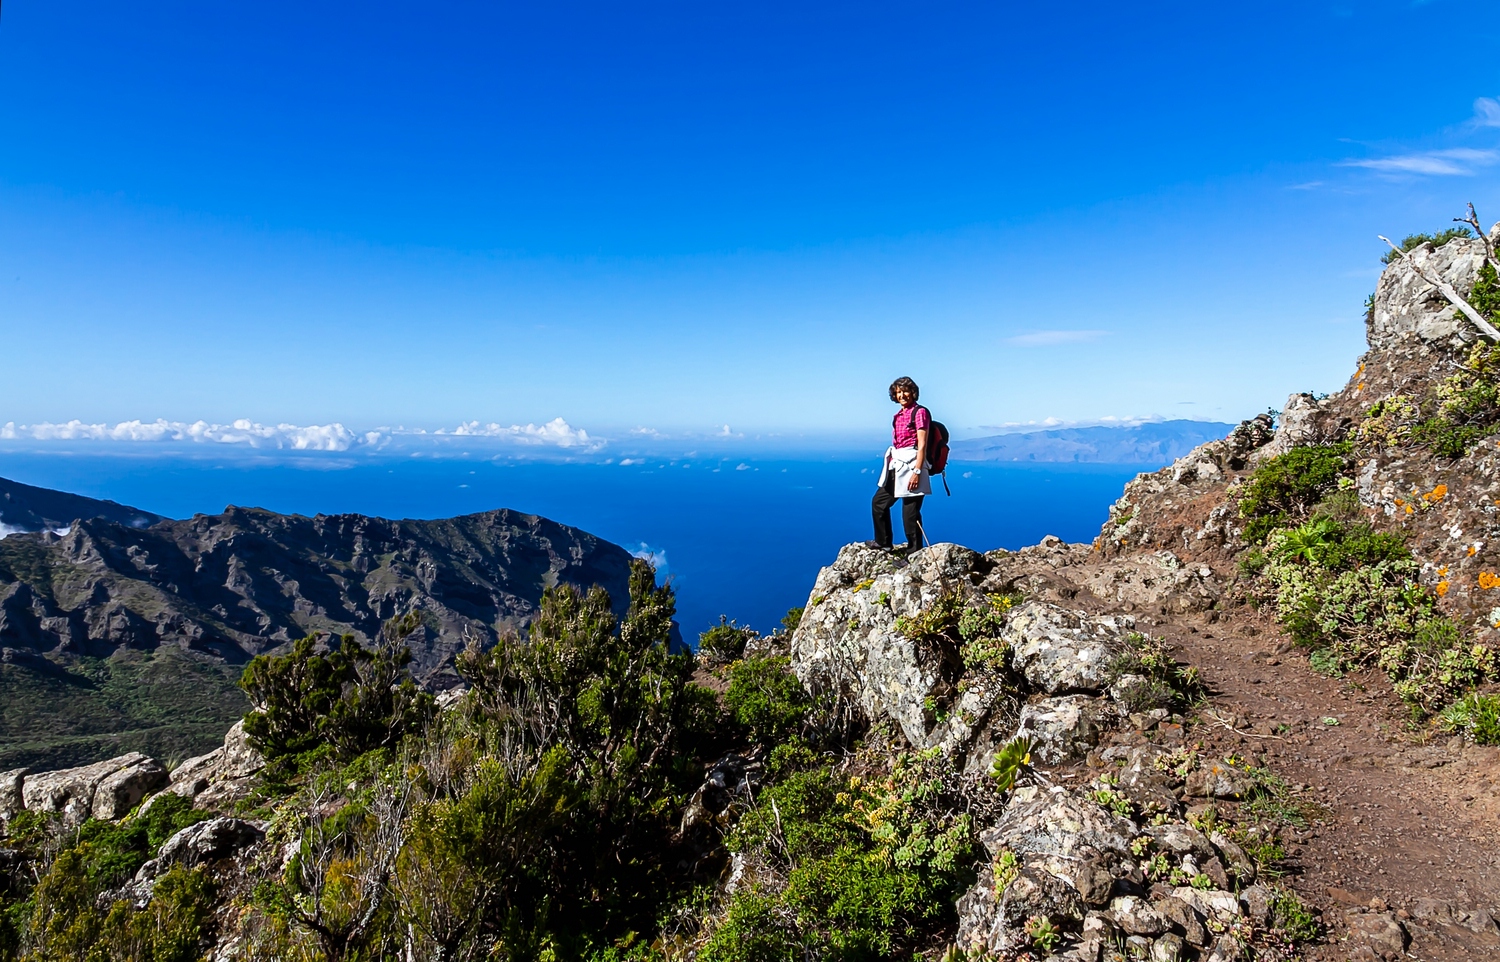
(676, 217)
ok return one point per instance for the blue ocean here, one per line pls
(742, 538)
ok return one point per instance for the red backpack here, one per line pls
(937, 443)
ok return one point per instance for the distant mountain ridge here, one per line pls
(113, 632)
(1158, 443)
(27, 508)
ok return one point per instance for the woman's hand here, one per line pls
(915, 481)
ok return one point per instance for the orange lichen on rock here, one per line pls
(1436, 494)
(1441, 588)
(1487, 580)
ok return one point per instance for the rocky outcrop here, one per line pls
(861, 638)
(1407, 309)
(208, 841)
(107, 790)
(1093, 874)
(223, 776)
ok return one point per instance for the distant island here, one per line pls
(1158, 443)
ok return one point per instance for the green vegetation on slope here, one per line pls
(72, 711)
(1348, 592)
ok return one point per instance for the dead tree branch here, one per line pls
(1447, 290)
(1484, 236)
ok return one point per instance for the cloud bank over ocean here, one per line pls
(335, 437)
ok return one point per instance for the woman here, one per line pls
(904, 475)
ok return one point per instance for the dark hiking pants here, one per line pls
(911, 514)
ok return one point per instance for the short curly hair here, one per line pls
(909, 384)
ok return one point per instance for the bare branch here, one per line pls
(1484, 236)
(1447, 290)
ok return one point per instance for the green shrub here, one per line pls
(1476, 714)
(1411, 241)
(792, 619)
(1285, 489)
(1293, 917)
(766, 699)
(174, 926)
(757, 928)
(343, 702)
(872, 864)
(1168, 683)
(724, 642)
(1351, 594)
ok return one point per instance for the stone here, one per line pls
(1235, 857)
(990, 921)
(11, 801)
(1258, 901)
(1133, 693)
(1063, 728)
(848, 641)
(1217, 779)
(1408, 308)
(1381, 932)
(1136, 916)
(122, 790)
(240, 759)
(194, 775)
(1226, 949)
(70, 792)
(1185, 919)
(1180, 840)
(1222, 907)
(1060, 651)
(1168, 948)
(1058, 826)
(207, 841)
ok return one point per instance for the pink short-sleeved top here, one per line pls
(906, 424)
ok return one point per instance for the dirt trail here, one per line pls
(1412, 826)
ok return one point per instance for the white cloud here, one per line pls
(657, 557)
(1486, 112)
(1455, 161)
(318, 437)
(742, 466)
(627, 462)
(6, 530)
(556, 432)
(1049, 338)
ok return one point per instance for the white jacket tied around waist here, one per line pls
(903, 461)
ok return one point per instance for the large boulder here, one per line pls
(1406, 307)
(1065, 727)
(217, 780)
(1058, 853)
(1061, 651)
(203, 842)
(72, 792)
(123, 790)
(849, 643)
